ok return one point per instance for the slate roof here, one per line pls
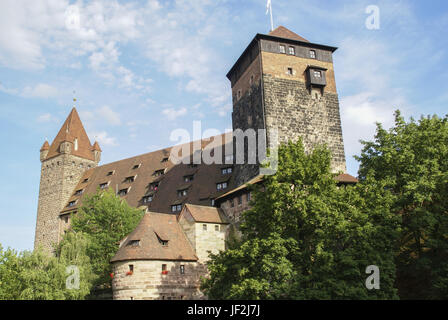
(152, 227)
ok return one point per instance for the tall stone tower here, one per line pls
(63, 163)
(284, 82)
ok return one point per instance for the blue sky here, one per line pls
(141, 69)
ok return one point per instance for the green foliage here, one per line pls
(411, 160)
(105, 219)
(307, 238)
(39, 276)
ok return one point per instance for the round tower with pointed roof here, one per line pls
(63, 163)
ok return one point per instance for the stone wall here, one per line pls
(59, 177)
(148, 283)
(209, 239)
(295, 112)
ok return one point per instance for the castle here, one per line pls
(282, 83)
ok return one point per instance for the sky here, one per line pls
(141, 69)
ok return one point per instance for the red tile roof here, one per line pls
(346, 178)
(206, 214)
(45, 146)
(152, 226)
(72, 129)
(283, 32)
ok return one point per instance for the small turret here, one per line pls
(96, 152)
(44, 150)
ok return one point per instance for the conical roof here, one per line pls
(283, 32)
(145, 242)
(45, 146)
(72, 130)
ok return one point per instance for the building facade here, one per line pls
(282, 84)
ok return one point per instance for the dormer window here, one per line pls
(85, 180)
(176, 207)
(130, 179)
(188, 178)
(292, 51)
(104, 185)
(123, 192)
(147, 199)
(159, 172)
(317, 74)
(312, 54)
(182, 193)
(282, 49)
(79, 192)
(164, 160)
(136, 166)
(71, 204)
(134, 243)
(110, 173)
(154, 186)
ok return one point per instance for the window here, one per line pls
(129, 179)
(163, 267)
(188, 178)
(110, 173)
(85, 180)
(182, 193)
(136, 166)
(131, 268)
(213, 202)
(104, 185)
(71, 204)
(182, 271)
(76, 144)
(292, 51)
(123, 192)
(312, 54)
(66, 219)
(159, 172)
(154, 186)
(176, 207)
(226, 171)
(240, 200)
(222, 185)
(216, 227)
(134, 243)
(204, 227)
(290, 71)
(317, 74)
(164, 160)
(147, 199)
(282, 49)
(79, 192)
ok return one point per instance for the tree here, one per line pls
(105, 219)
(411, 160)
(306, 238)
(38, 276)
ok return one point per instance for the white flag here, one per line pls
(268, 6)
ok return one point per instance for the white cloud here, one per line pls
(173, 114)
(47, 117)
(103, 138)
(41, 90)
(106, 113)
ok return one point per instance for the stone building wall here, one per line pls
(148, 283)
(209, 239)
(59, 177)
